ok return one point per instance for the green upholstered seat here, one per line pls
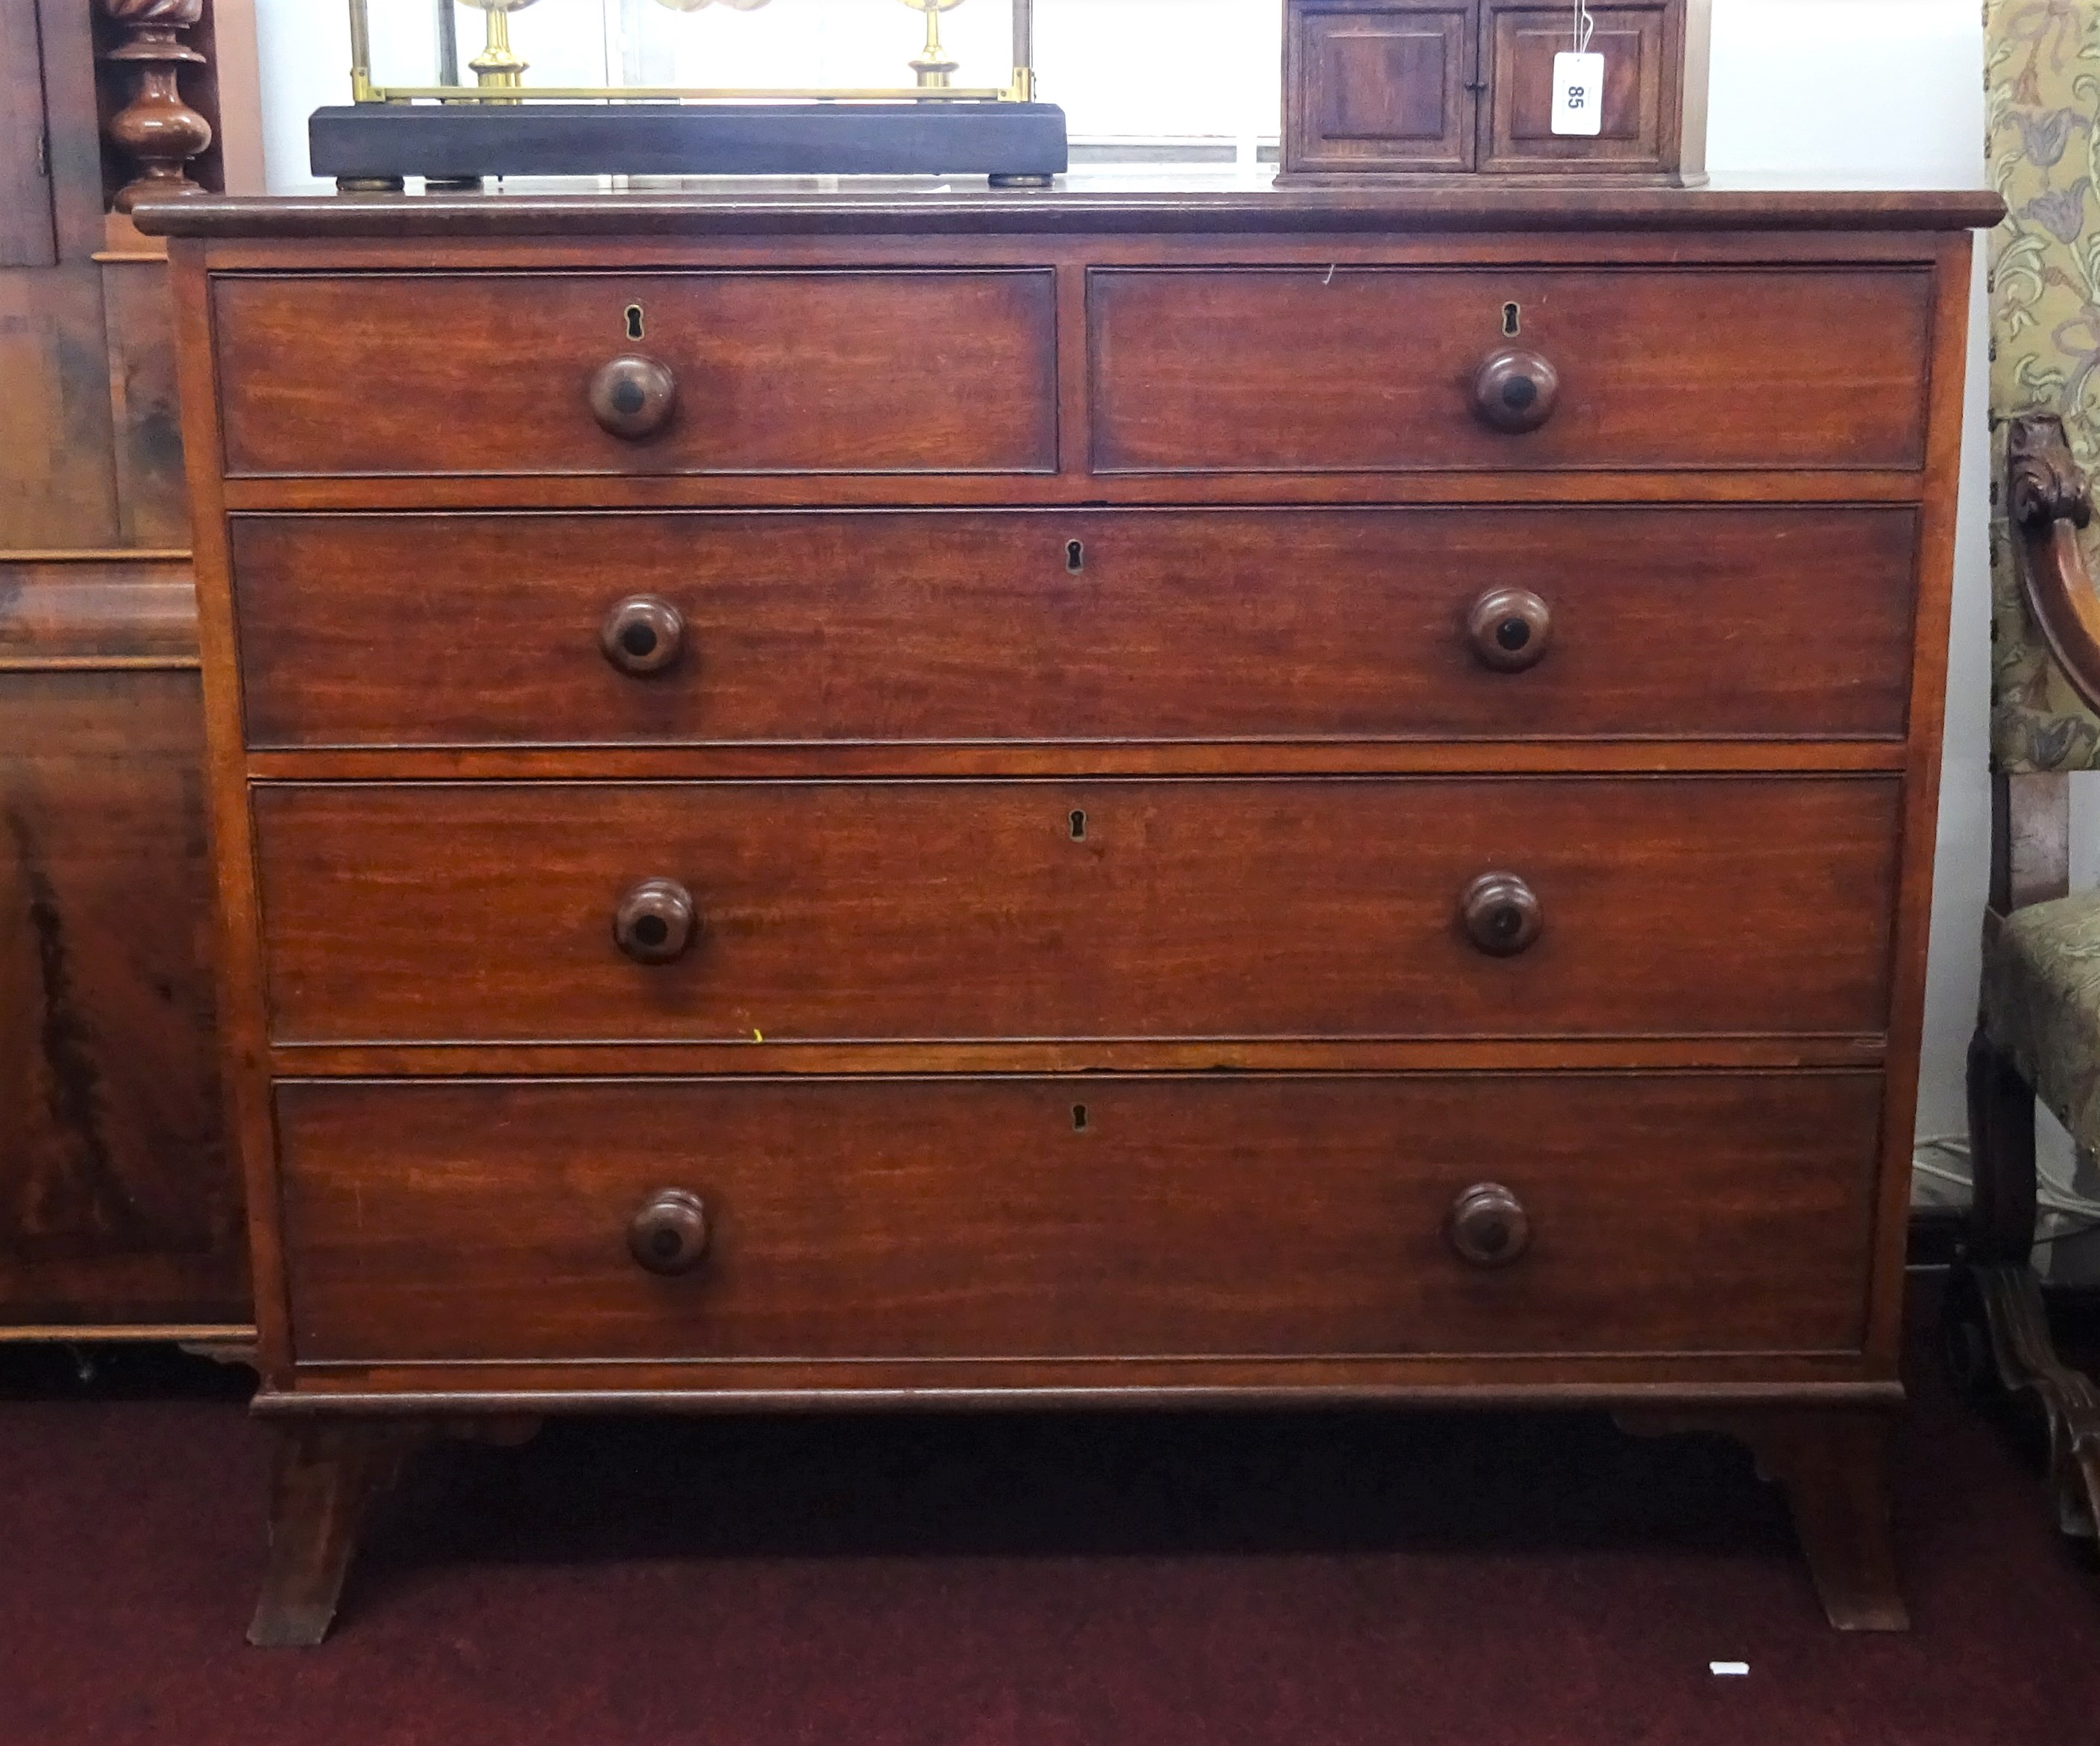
(2041, 1005)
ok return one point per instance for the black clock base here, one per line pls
(1017, 144)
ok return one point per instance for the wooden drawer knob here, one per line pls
(1488, 1226)
(1510, 629)
(655, 921)
(669, 1234)
(1515, 390)
(643, 634)
(634, 396)
(1502, 914)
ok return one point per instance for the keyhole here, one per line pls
(1079, 1118)
(1078, 827)
(1512, 320)
(634, 320)
(1075, 555)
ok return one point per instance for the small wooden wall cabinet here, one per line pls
(1079, 799)
(1433, 87)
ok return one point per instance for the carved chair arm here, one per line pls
(2049, 502)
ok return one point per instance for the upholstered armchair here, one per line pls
(2039, 1028)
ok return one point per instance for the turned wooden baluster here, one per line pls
(157, 128)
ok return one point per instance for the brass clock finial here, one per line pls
(498, 63)
(936, 72)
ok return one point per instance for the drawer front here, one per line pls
(491, 629)
(774, 372)
(1083, 909)
(1133, 1217)
(1376, 370)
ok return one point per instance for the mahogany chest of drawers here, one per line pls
(1077, 799)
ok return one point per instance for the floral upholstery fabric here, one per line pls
(2041, 1006)
(2042, 63)
(2041, 967)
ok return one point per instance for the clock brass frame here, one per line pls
(500, 77)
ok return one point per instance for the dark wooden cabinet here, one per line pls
(1426, 87)
(119, 1210)
(1343, 811)
(120, 1201)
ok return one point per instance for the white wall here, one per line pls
(1890, 93)
(1866, 93)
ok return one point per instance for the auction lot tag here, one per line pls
(1578, 95)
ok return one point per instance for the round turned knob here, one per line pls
(643, 634)
(633, 396)
(1516, 390)
(669, 1234)
(1502, 914)
(1510, 629)
(1488, 1226)
(655, 921)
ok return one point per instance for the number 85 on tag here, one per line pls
(1578, 95)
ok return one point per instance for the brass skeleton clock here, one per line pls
(456, 134)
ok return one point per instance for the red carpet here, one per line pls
(1051, 1581)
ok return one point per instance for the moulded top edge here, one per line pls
(1465, 204)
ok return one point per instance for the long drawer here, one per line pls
(771, 372)
(1286, 908)
(449, 630)
(1077, 1217)
(1364, 369)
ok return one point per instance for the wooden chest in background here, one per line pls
(1076, 799)
(1431, 88)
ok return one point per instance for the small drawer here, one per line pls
(1130, 1217)
(1097, 909)
(593, 373)
(1393, 370)
(721, 629)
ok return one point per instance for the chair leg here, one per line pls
(1996, 1290)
